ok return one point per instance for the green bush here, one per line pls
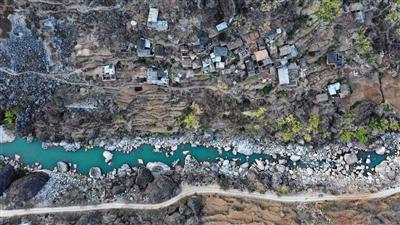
(329, 10)
(346, 136)
(283, 190)
(361, 135)
(266, 90)
(9, 118)
(364, 47)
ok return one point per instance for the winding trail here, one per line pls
(211, 189)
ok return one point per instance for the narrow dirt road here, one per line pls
(192, 190)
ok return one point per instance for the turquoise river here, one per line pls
(85, 159)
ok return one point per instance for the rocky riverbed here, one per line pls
(341, 172)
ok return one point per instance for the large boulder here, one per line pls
(350, 158)
(95, 172)
(7, 176)
(26, 187)
(144, 177)
(162, 189)
(62, 166)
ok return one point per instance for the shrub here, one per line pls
(346, 136)
(364, 47)
(118, 119)
(329, 10)
(361, 135)
(283, 190)
(9, 118)
(393, 16)
(257, 114)
(191, 122)
(266, 90)
(314, 122)
(288, 136)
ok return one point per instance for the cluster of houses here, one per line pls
(246, 56)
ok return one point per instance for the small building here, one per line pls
(235, 44)
(334, 59)
(186, 62)
(109, 72)
(321, 98)
(203, 38)
(243, 53)
(283, 76)
(333, 89)
(157, 76)
(261, 44)
(261, 55)
(285, 50)
(357, 6)
(159, 51)
(153, 16)
(144, 48)
(154, 23)
(222, 26)
(220, 51)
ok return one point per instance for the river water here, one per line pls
(85, 159)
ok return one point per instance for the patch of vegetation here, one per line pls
(191, 122)
(314, 122)
(283, 190)
(361, 135)
(266, 90)
(119, 119)
(282, 93)
(387, 107)
(329, 10)
(255, 129)
(288, 136)
(364, 47)
(393, 16)
(255, 114)
(346, 136)
(9, 118)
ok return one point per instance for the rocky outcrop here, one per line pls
(6, 135)
(26, 187)
(144, 177)
(161, 189)
(7, 175)
(158, 167)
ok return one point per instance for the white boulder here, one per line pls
(295, 158)
(108, 156)
(380, 151)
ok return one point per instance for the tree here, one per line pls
(9, 118)
(329, 10)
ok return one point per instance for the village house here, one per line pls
(235, 44)
(157, 76)
(159, 51)
(154, 23)
(143, 48)
(222, 26)
(334, 59)
(109, 72)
